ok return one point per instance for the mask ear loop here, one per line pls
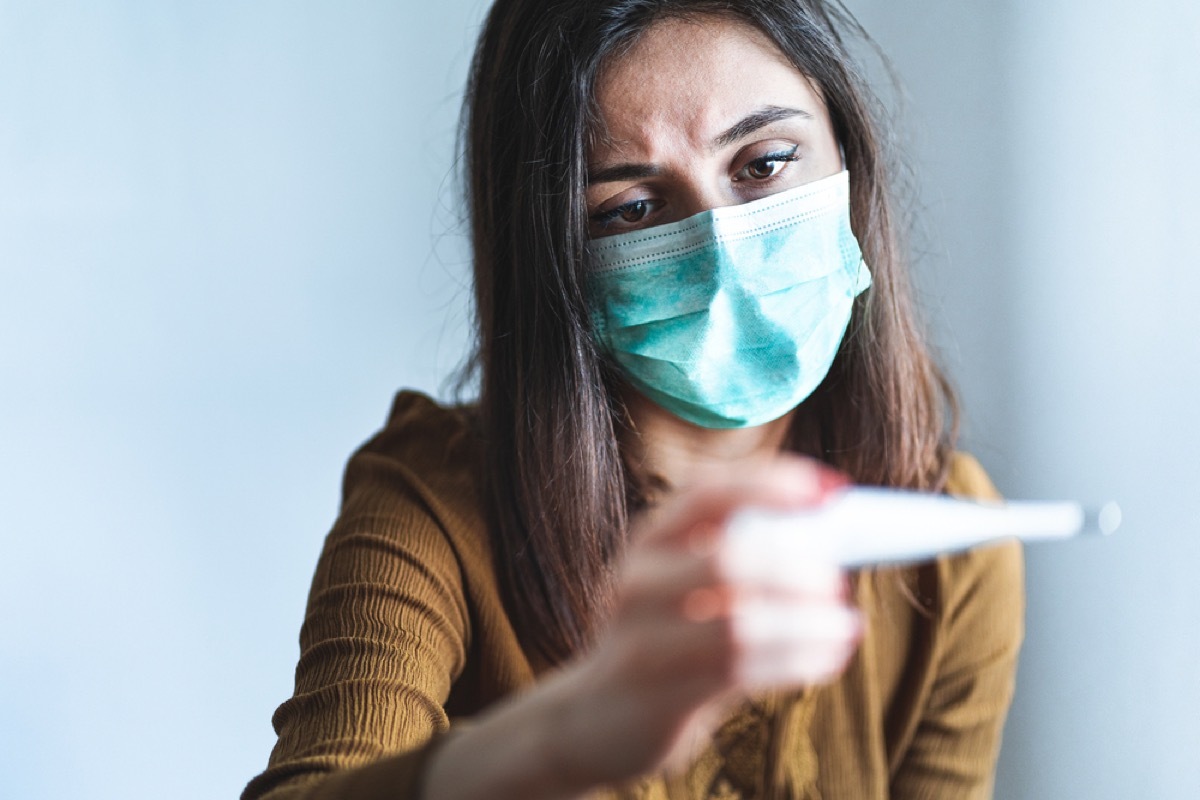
(842, 153)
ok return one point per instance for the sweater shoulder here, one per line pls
(426, 434)
(998, 564)
(417, 478)
(967, 478)
(424, 446)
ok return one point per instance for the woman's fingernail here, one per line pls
(703, 605)
(831, 480)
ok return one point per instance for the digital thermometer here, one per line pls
(864, 527)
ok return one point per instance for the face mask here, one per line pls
(732, 317)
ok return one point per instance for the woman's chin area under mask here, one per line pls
(665, 151)
(671, 453)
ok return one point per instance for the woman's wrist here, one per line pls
(514, 751)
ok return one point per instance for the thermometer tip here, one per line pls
(1109, 518)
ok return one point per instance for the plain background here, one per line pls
(229, 230)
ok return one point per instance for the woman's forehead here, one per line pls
(686, 81)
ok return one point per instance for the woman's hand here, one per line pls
(701, 619)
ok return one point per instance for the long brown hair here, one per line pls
(555, 490)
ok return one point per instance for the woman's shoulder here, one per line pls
(434, 441)
(972, 594)
(967, 478)
(425, 430)
(421, 464)
(999, 565)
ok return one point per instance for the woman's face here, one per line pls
(698, 115)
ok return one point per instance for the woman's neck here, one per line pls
(667, 453)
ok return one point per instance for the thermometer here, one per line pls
(868, 527)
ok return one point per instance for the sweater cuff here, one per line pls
(395, 777)
(391, 778)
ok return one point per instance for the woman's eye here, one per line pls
(768, 166)
(630, 213)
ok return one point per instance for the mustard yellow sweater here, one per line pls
(406, 634)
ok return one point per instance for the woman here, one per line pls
(537, 596)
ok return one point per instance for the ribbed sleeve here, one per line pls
(389, 620)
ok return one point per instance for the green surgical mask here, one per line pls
(732, 317)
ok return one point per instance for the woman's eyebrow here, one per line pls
(623, 172)
(739, 130)
(755, 120)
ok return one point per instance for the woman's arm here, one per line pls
(389, 622)
(695, 625)
(385, 634)
(388, 632)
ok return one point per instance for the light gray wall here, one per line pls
(1056, 148)
(225, 240)
(226, 237)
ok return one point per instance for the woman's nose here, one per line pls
(695, 197)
